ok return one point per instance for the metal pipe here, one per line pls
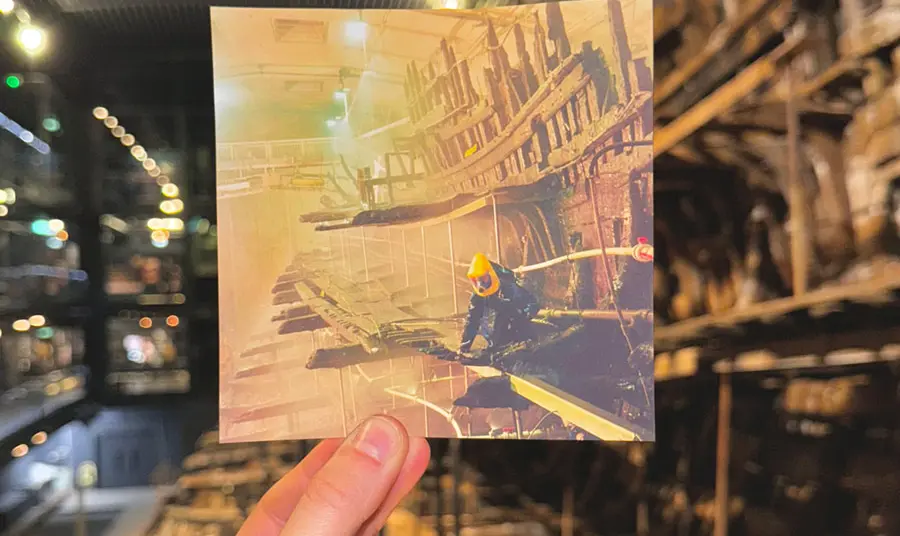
(344, 252)
(429, 405)
(452, 268)
(496, 230)
(425, 261)
(343, 402)
(391, 250)
(405, 257)
(597, 314)
(365, 252)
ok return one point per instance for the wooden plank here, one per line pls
(726, 96)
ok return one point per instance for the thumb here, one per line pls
(351, 487)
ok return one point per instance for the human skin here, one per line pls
(344, 488)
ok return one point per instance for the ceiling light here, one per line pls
(21, 325)
(170, 190)
(19, 450)
(101, 113)
(172, 321)
(7, 6)
(127, 140)
(172, 206)
(3, 211)
(159, 235)
(39, 438)
(118, 131)
(31, 39)
(10, 196)
(451, 4)
(154, 224)
(149, 164)
(37, 321)
(111, 122)
(355, 31)
(56, 226)
(162, 180)
(145, 323)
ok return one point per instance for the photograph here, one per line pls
(440, 215)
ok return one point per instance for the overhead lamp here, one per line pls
(19, 450)
(127, 140)
(138, 153)
(55, 243)
(56, 225)
(355, 31)
(7, 7)
(39, 438)
(101, 113)
(451, 4)
(170, 190)
(154, 172)
(4, 211)
(149, 164)
(62, 235)
(159, 235)
(26, 136)
(145, 322)
(154, 224)
(162, 180)
(172, 321)
(37, 321)
(118, 131)
(31, 39)
(21, 325)
(10, 196)
(111, 122)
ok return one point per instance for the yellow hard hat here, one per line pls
(483, 276)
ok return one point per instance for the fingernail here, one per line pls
(377, 438)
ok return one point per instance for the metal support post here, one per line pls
(405, 258)
(425, 261)
(343, 401)
(362, 231)
(496, 230)
(452, 268)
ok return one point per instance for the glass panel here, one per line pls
(147, 354)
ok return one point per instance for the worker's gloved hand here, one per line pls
(343, 488)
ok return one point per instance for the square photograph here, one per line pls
(441, 215)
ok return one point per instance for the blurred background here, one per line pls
(776, 236)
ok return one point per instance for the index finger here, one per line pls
(276, 506)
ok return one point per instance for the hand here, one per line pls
(344, 488)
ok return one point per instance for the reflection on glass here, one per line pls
(143, 258)
(147, 354)
(204, 247)
(37, 355)
(39, 264)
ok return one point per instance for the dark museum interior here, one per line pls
(775, 295)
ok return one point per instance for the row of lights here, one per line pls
(146, 322)
(35, 321)
(7, 198)
(171, 204)
(21, 450)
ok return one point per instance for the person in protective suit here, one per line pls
(500, 309)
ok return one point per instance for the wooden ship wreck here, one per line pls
(777, 277)
(547, 171)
